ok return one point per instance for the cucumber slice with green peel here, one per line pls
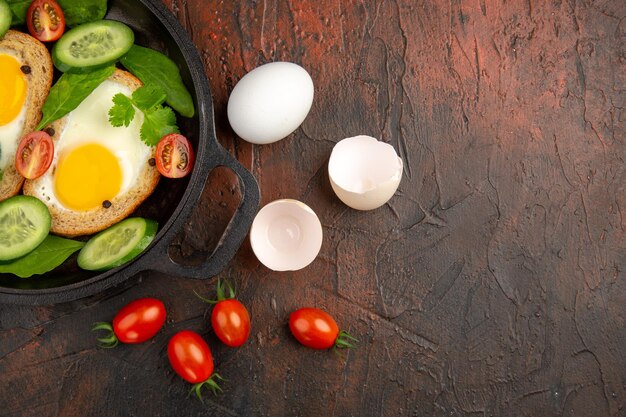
(24, 224)
(118, 244)
(92, 45)
(5, 17)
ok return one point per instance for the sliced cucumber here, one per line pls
(117, 245)
(24, 224)
(5, 17)
(92, 45)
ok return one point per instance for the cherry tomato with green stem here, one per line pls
(230, 318)
(136, 322)
(190, 357)
(317, 329)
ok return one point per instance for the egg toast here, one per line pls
(99, 173)
(25, 78)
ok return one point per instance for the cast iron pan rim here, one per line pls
(207, 142)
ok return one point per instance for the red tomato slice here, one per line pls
(139, 320)
(190, 357)
(231, 322)
(34, 155)
(45, 20)
(174, 156)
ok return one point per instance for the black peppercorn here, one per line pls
(25, 69)
(50, 131)
(106, 204)
(152, 162)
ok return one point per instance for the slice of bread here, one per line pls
(71, 223)
(32, 53)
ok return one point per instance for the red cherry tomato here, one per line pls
(34, 155)
(45, 20)
(136, 322)
(313, 328)
(230, 319)
(190, 357)
(174, 156)
(316, 329)
(139, 320)
(231, 322)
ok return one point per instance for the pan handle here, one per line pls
(234, 234)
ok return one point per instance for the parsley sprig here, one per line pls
(158, 120)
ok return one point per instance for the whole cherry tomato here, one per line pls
(45, 20)
(174, 156)
(316, 329)
(34, 155)
(191, 359)
(231, 322)
(136, 322)
(230, 318)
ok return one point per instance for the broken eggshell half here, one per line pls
(286, 235)
(364, 172)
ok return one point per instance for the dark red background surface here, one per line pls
(493, 283)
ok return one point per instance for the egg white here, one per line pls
(9, 139)
(89, 123)
(10, 133)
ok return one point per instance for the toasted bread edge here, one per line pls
(74, 223)
(34, 54)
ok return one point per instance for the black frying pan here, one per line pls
(173, 201)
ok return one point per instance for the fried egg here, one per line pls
(13, 89)
(94, 162)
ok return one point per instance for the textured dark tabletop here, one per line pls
(493, 282)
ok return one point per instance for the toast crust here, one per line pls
(77, 223)
(33, 53)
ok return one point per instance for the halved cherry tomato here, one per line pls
(191, 359)
(34, 155)
(136, 322)
(316, 329)
(230, 318)
(45, 20)
(174, 156)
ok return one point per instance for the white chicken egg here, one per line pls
(94, 161)
(270, 102)
(13, 112)
(364, 172)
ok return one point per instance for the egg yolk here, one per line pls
(86, 177)
(12, 89)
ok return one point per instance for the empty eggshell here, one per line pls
(286, 235)
(364, 172)
(270, 102)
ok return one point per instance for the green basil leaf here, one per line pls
(82, 11)
(52, 252)
(75, 11)
(19, 8)
(157, 123)
(152, 67)
(69, 91)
